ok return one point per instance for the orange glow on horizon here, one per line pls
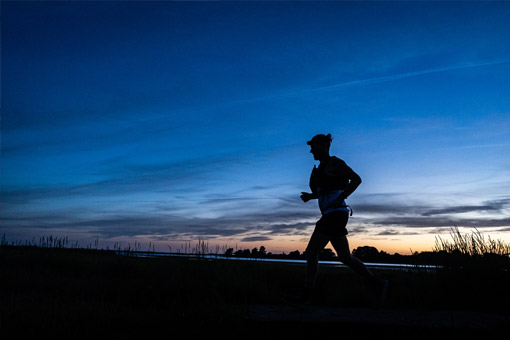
(405, 245)
(402, 244)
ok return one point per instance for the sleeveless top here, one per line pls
(328, 187)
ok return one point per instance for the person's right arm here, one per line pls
(306, 196)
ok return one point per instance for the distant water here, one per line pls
(394, 266)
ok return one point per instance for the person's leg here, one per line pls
(341, 245)
(316, 244)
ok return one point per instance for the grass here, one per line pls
(53, 290)
(473, 252)
(474, 244)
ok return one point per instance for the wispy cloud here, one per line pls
(396, 212)
(460, 210)
(392, 232)
(285, 93)
(421, 222)
(392, 77)
(130, 179)
(171, 226)
(255, 239)
(282, 219)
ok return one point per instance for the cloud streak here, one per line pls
(282, 220)
(393, 77)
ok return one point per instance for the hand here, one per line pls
(305, 196)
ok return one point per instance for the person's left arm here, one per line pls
(339, 168)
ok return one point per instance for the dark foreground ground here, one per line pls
(85, 294)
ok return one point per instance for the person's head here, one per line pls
(319, 146)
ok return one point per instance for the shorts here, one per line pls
(333, 224)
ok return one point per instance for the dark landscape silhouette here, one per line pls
(49, 290)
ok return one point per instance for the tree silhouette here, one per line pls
(366, 253)
(295, 255)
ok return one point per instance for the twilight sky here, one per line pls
(169, 122)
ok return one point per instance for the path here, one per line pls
(378, 317)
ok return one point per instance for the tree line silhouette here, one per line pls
(365, 253)
(372, 254)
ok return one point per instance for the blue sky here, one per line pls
(170, 122)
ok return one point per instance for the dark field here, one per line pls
(77, 293)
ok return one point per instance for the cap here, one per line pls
(320, 139)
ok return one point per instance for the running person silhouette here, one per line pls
(331, 183)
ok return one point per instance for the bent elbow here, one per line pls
(357, 180)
